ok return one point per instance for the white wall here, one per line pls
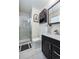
(35, 25)
(43, 28)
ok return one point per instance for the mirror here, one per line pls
(54, 13)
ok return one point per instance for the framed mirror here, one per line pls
(54, 14)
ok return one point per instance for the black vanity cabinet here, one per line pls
(46, 47)
(50, 47)
(55, 49)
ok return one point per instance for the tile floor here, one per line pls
(33, 53)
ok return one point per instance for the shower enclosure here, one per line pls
(24, 31)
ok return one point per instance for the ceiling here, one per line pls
(26, 5)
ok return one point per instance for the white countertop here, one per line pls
(55, 36)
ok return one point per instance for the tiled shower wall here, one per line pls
(24, 27)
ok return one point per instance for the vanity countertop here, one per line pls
(57, 37)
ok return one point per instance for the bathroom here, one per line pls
(39, 29)
(39, 23)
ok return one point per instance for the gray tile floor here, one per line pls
(33, 53)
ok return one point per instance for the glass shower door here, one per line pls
(24, 29)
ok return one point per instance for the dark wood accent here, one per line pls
(43, 16)
(50, 47)
(46, 47)
(54, 23)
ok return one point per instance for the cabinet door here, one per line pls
(55, 52)
(46, 48)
